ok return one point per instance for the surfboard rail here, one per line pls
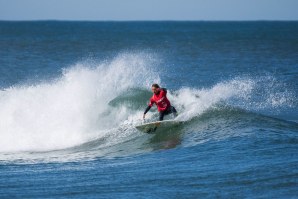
(153, 127)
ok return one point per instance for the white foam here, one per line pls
(74, 108)
(261, 94)
(194, 102)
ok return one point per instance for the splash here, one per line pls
(262, 94)
(194, 102)
(73, 109)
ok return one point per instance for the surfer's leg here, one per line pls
(161, 115)
(173, 110)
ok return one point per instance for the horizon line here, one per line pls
(159, 20)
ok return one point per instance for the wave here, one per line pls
(94, 107)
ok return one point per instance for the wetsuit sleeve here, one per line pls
(149, 106)
(147, 109)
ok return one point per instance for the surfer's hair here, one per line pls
(155, 85)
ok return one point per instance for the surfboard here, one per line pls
(155, 127)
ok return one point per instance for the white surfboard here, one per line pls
(155, 127)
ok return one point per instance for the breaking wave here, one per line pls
(96, 106)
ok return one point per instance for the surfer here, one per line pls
(160, 99)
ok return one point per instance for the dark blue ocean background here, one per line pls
(73, 92)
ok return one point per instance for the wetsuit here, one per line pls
(163, 104)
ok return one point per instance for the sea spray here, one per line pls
(256, 94)
(194, 102)
(72, 109)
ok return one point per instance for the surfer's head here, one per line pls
(155, 88)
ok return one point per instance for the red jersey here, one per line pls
(161, 100)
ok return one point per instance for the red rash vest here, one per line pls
(161, 100)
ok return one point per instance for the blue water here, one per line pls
(72, 92)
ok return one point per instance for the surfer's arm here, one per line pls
(148, 107)
(146, 110)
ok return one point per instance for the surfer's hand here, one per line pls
(144, 116)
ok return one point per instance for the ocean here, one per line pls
(72, 92)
